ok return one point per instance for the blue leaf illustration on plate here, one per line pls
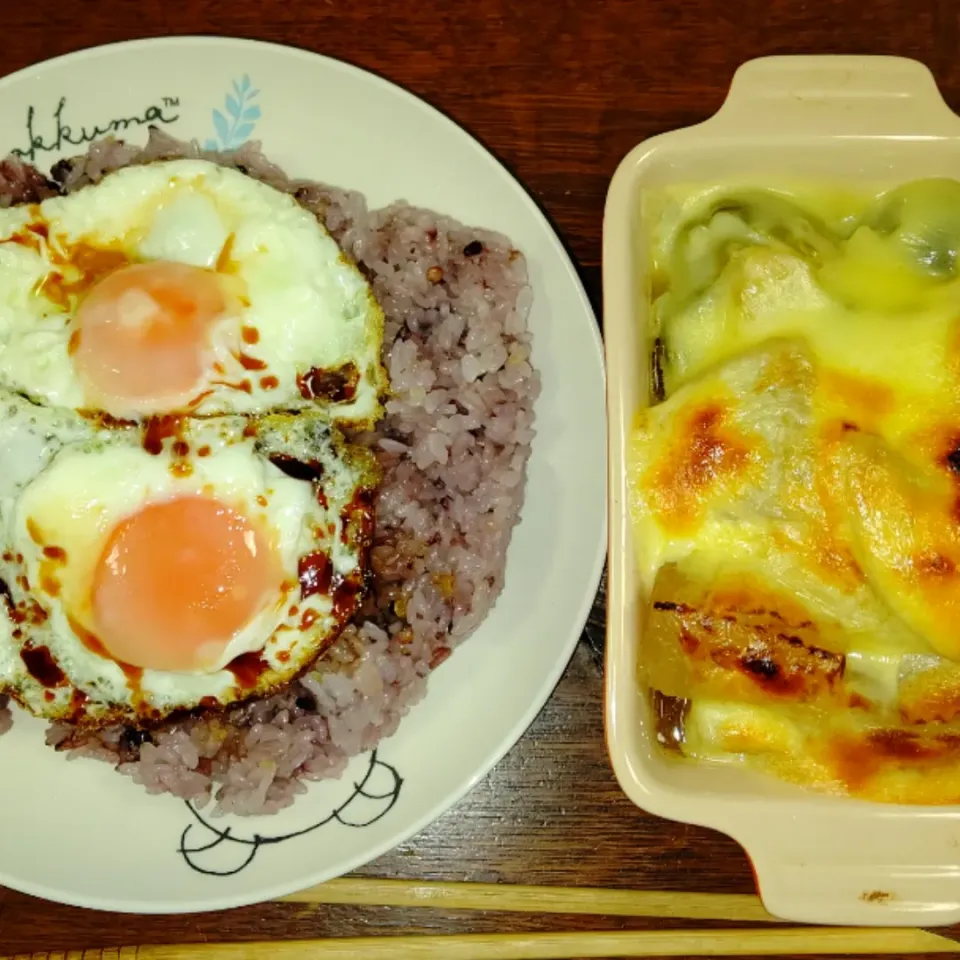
(221, 125)
(237, 120)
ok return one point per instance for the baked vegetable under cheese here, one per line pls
(795, 487)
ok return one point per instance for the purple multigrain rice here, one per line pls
(454, 445)
(22, 183)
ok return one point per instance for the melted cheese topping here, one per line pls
(795, 487)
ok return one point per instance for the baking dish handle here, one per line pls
(896, 868)
(835, 96)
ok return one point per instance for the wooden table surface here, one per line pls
(560, 90)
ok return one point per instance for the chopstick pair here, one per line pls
(797, 941)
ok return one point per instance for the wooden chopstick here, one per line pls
(363, 891)
(548, 946)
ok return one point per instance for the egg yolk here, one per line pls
(177, 580)
(142, 333)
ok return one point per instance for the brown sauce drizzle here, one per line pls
(198, 399)
(248, 668)
(42, 667)
(105, 420)
(244, 386)
(250, 363)
(357, 518)
(336, 386)
(316, 573)
(269, 383)
(159, 429)
(93, 643)
(53, 558)
(348, 593)
(28, 611)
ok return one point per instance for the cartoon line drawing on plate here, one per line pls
(362, 808)
(236, 121)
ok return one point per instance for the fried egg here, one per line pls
(177, 564)
(182, 286)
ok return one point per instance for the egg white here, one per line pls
(310, 307)
(86, 479)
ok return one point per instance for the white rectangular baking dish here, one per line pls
(816, 858)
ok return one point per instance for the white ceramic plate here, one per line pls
(80, 833)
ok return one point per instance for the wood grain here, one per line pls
(560, 90)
